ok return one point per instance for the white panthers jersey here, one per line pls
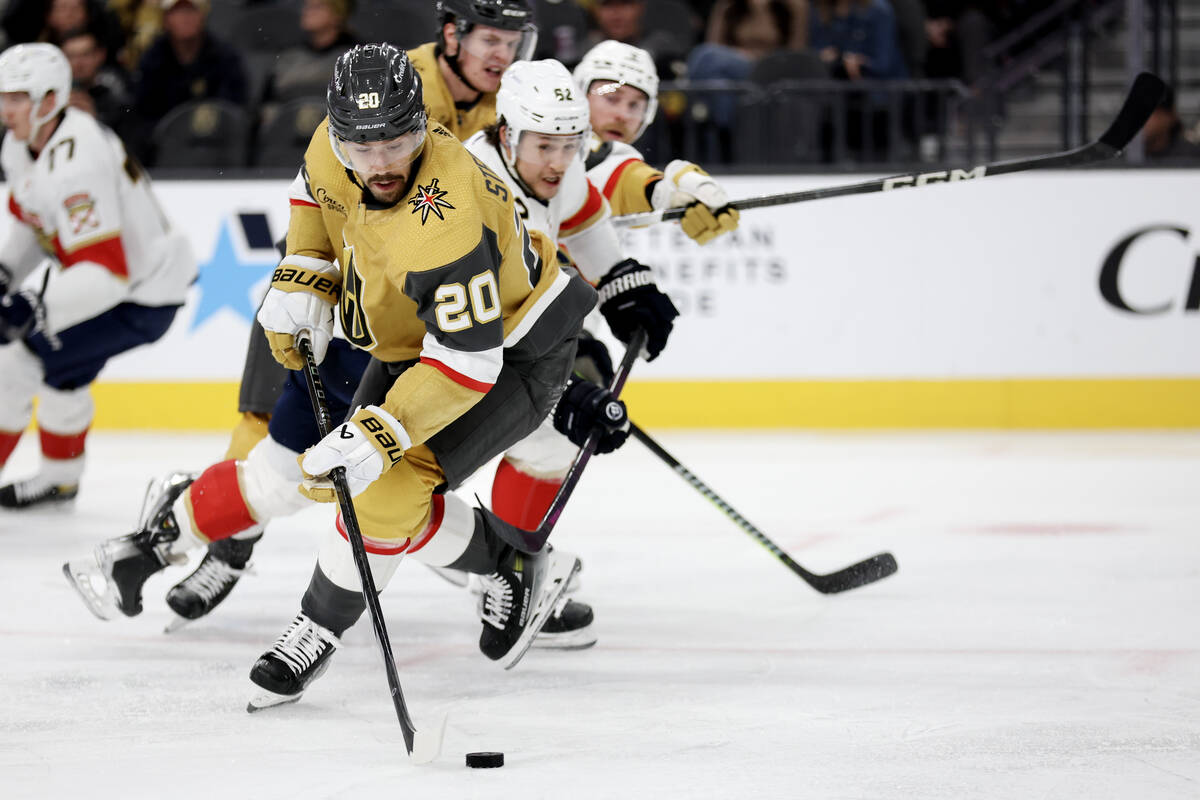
(622, 175)
(577, 217)
(89, 207)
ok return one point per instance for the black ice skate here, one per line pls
(518, 599)
(112, 581)
(36, 491)
(211, 582)
(299, 656)
(569, 627)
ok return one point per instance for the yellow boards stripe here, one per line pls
(1015, 403)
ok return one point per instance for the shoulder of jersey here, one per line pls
(448, 190)
(84, 140)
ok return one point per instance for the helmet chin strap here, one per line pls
(508, 153)
(36, 122)
(455, 67)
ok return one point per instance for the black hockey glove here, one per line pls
(584, 406)
(18, 313)
(6, 277)
(592, 360)
(629, 299)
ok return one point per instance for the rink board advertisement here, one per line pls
(1041, 300)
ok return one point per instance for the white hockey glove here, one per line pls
(370, 444)
(708, 212)
(301, 299)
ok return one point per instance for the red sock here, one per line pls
(216, 505)
(62, 446)
(521, 499)
(8, 443)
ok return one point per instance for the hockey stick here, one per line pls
(1143, 97)
(533, 541)
(427, 747)
(870, 570)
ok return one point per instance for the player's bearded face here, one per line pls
(617, 110)
(14, 110)
(485, 53)
(543, 159)
(384, 167)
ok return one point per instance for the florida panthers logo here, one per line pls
(429, 199)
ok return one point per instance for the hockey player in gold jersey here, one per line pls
(460, 73)
(472, 328)
(476, 41)
(621, 85)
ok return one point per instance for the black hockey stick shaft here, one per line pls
(533, 541)
(870, 570)
(316, 395)
(1141, 101)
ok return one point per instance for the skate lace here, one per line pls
(497, 600)
(211, 578)
(33, 489)
(302, 644)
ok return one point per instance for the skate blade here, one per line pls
(427, 743)
(558, 576)
(581, 639)
(264, 699)
(177, 623)
(82, 575)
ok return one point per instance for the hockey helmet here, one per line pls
(540, 97)
(506, 15)
(624, 64)
(37, 69)
(375, 96)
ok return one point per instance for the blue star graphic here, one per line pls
(225, 281)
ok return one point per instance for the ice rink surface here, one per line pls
(1041, 640)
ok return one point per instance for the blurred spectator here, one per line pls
(956, 32)
(186, 62)
(49, 20)
(304, 71)
(625, 21)
(740, 32)
(857, 38)
(99, 88)
(757, 27)
(1164, 135)
(141, 21)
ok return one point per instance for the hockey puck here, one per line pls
(485, 760)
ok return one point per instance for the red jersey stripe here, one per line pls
(457, 377)
(590, 207)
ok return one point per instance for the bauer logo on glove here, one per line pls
(370, 444)
(301, 299)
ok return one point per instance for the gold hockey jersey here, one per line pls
(462, 122)
(448, 275)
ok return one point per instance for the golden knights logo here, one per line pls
(354, 319)
(429, 199)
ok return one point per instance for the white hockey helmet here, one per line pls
(625, 64)
(540, 97)
(37, 69)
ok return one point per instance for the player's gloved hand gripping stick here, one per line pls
(533, 541)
